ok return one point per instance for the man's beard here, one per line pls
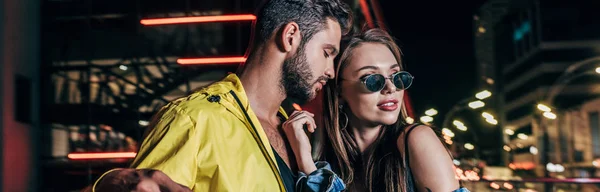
(295, 78)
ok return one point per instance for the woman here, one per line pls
(368, 143)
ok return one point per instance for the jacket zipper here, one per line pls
(260, 143)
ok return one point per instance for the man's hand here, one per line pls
(139, 180)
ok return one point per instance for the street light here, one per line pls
(509, 131)
(598, 70)
(483, 94)
(476, 104)
(431, 112)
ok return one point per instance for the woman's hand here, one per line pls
(294, 131)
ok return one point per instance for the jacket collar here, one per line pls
(232, 84)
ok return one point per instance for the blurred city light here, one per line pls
(597, 69)
(448, 132)
(492, 121)
(522, 136)
(449, 142)
(483, 94)
(459, 125)
(549, 115)
(556, 168)
(487, 115)
(506, 148)
(446, 137)
(468, 175)
(410, 120)
(494, 185)
(543, 108)
(508, 186)
(533, 150)
(456, 162)
(469, 146)
(476, 104)
(509, 131)
(596, 163)
(426, 119)
(143, 122)
(431, 112)
(481, 29)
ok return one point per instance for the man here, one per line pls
(226, 136)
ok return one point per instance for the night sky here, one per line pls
(436, 38)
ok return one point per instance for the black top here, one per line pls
(286, 173)
(410, 181)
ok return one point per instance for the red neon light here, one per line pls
(198, 19)
(213, 60)
(115, 155)
(364, 7)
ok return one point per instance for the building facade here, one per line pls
(531, 52)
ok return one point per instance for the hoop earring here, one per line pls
(345, 116)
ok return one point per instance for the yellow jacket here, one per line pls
(211, 140)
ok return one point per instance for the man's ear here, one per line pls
(289, 37)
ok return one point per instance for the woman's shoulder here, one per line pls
(415, 135)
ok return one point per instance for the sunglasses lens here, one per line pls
(403, 80)
(375, 82)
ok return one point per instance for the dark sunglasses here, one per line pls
(376, 82)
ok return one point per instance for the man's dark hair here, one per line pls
(310, 15)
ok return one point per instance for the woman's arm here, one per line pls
(430, 162)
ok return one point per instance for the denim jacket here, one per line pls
(321, 180)
(325, 180)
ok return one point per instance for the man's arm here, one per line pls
(167, 158)
(143, 180)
